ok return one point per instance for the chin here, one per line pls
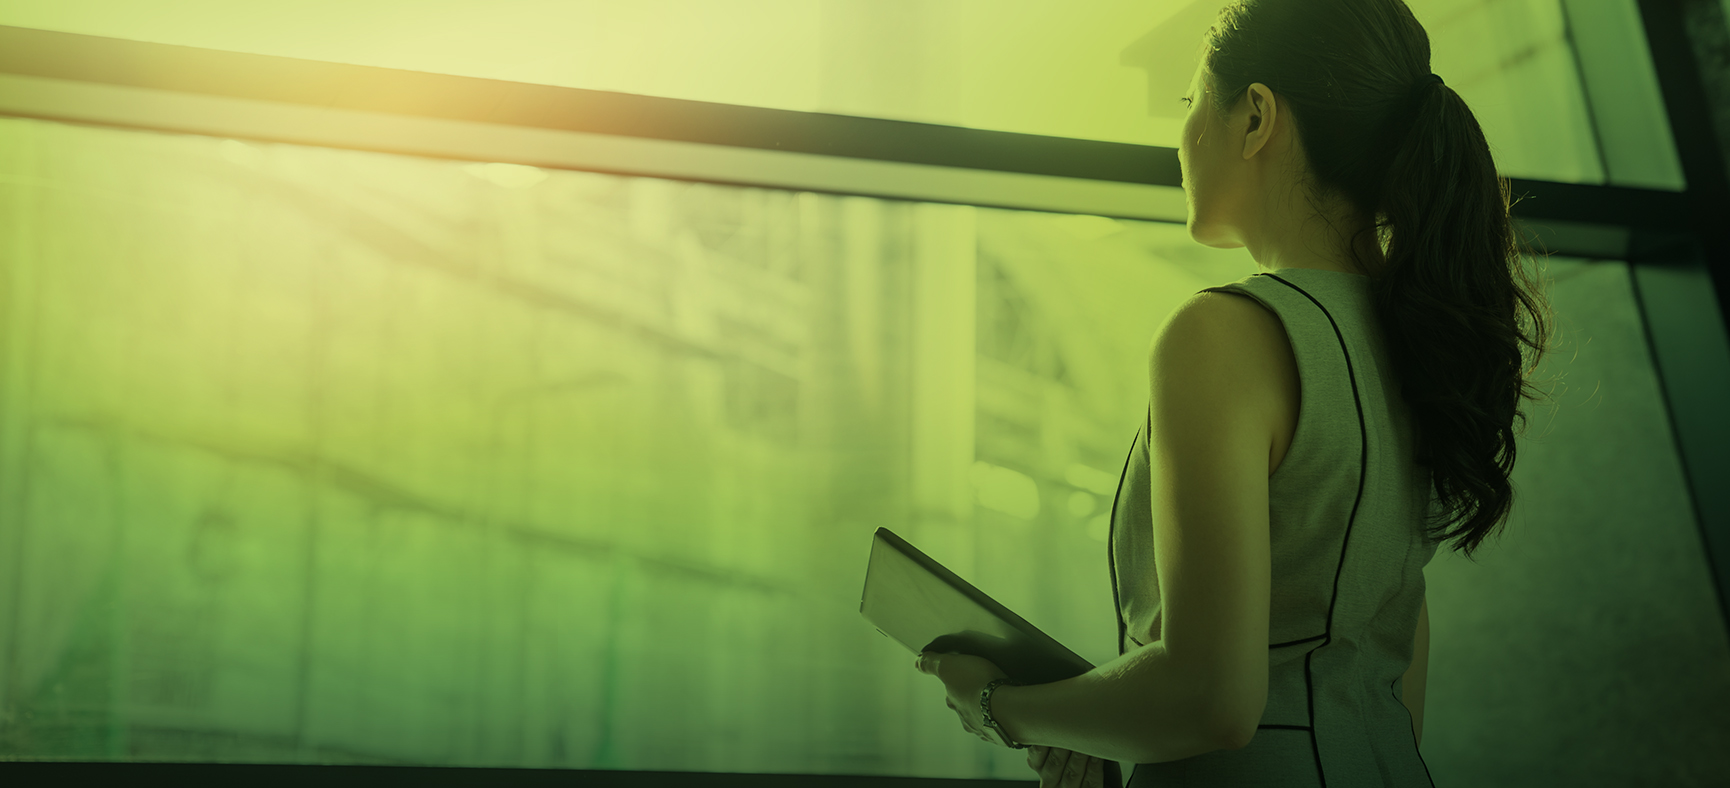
(1197, 233)
(1207, 236)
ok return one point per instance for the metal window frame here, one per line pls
(272, 775)
(1682, 279)
(132, 84)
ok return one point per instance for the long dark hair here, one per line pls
(1457, 308)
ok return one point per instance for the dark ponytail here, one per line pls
(1459, 313)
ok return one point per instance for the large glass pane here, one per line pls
(1101, 69)
(324, 456)
(330, 456)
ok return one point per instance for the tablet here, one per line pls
(920, 604)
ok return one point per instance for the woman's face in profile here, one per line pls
(1199, 154)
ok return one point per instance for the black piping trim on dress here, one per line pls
(1414, 732)
(1110, 547)
(1298, 642)
(1363, 471)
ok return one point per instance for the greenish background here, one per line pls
(311, 455)
(331, 456)
(328, 455)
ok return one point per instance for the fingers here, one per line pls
(1075, 769)
(1051, 772)
(1060, 768)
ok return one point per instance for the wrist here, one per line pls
(1003, 708)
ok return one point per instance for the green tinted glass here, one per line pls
(321, 455)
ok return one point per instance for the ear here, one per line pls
(1263, 118)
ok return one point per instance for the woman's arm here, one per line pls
(1412, 691)
(1218, 375)
(1143, 707)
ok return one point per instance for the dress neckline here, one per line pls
(1364, 277)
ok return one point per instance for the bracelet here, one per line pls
(985, 706)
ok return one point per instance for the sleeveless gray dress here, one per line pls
(1346, 509)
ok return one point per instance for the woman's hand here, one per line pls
(964, 676)
(1060, 768)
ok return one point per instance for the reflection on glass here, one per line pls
(325, 456)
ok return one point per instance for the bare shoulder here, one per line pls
(1224, 361)
(1216, 327)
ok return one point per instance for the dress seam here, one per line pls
(1111, 546)
(1351, 520)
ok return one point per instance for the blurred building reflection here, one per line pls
(320, 455)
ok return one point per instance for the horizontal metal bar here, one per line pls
(91, 79)
(165, 110)
(341, 776)
(184, 69)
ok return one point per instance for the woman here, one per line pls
(1314, 431)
